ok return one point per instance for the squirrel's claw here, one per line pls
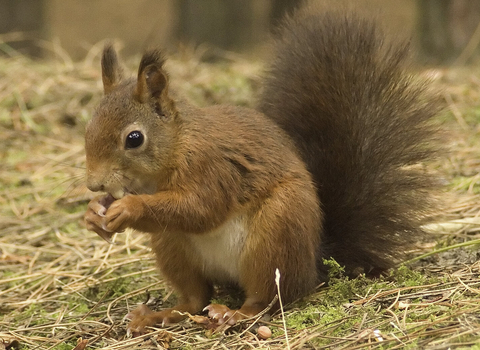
(95, 217)
(223, 314)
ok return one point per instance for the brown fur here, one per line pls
(224, 191)
(362, 125)
(197, 170)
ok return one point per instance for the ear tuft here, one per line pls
(151, 57)
(111, 70)
(152, 79)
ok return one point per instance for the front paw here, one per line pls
(95, 216)
(123, 213)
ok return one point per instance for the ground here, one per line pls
(63, 287)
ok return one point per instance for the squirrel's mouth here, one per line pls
(107, 200)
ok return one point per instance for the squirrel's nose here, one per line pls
(94, 179)
(94, 186)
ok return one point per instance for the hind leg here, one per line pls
(179, 268)
(284, 234)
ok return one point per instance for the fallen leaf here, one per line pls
(81, 344)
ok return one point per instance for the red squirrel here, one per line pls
(328, 165)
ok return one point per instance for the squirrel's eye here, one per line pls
(134, 139)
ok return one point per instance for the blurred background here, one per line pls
(443, 32)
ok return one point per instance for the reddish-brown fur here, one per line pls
(227, 193)
(199, 170)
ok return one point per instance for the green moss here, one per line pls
(334, 313)
(82, 308)
(68, 345)
(407, 277)
(305, 317)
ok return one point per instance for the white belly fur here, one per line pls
(221, 248)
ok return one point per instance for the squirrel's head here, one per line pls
(129, 141)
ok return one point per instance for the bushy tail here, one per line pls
(363, 126)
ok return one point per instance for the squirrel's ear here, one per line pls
(152, 80)
(111, 70)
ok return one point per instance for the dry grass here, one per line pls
(60, 283)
